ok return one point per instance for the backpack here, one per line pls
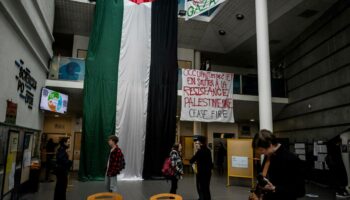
(121, 161)
(168, 170)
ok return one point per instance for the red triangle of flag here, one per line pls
(141, 1)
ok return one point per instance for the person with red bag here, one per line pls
(173, 167)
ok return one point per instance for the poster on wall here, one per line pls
(240, 162)
(207, 96)
(65, 68)
(11, 112)
(10, 169)
(13, 142)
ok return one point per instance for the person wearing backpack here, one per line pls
(283, 173)
(176, 166)
(115, 164)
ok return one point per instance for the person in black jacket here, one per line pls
(285, 174)
(50, 152)
(63, 165)
(221, 154)
(334, 160)
(204, 163)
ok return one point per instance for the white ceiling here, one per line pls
(236, 48)
(206, 34)
(283, 29)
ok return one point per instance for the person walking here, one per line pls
(63, 165)
(177, 165)
(282, 175)
(115, 164)
(221, 154)
(204, 163)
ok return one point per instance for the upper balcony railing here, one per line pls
(73, 69)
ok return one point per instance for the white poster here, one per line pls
(319, 165)
(196, 7)
(300, 151)
(27, 158)
(207, 96)
(13, 142)
(299, 145)
(302, 157)
(240, 162)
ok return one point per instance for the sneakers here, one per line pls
(342, 195)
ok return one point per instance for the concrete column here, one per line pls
(197, 60)
(264, 73)
(197, 126)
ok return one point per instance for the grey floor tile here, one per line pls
(142, 190)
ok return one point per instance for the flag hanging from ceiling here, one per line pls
(120, 70)
(196, 7)
(141, 1)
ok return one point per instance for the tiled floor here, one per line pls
(142, 190)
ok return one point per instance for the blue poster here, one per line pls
(71, 69)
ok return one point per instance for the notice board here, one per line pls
(9, 179)
(240, 159)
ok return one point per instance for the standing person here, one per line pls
(221, 158)
(204, 163)
(176, 163)
(63, 165)
(282, 174)
(115, 164)
(337, 168)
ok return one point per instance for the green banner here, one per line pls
(100, 88)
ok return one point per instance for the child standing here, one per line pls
(115, 164)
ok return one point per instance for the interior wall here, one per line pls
(13, 47)
(185, 55)
(317, 73)
(47, 7)
(79, 42)
(186, 128)
(235, 70)
(221, 128)
(57, 127)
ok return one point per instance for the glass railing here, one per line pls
(73, 69)
(66, 68)
(248, 85)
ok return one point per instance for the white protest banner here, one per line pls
(207, 96)
(196, 7)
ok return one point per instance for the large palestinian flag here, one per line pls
(130, 86)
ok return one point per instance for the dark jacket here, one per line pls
(203, 160)
(62, 160)
(116, 162)
(335, 163)
(286, 173)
